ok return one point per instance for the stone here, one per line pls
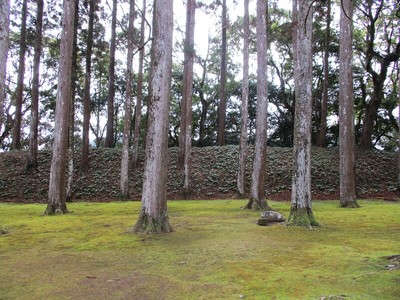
(272, 216)
(262, 222)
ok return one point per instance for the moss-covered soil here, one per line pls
(216, 252)
(213, 175)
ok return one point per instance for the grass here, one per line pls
(216, 252)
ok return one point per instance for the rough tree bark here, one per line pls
(71, 121)
(86, 96)
(301, 211)
(257, 190)
(109, 142)
(33, 139)
(4, 31)
(139, 101)
(185, 137)
(56, 198)
(154, 216)
(124, 178)
(222, 83)
(16, 142)
(346, 108)
(241, 177)
(324, 103)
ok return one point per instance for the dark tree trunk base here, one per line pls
(149, 224)
(56, 209)
(254, 204)
(349, 204)
(301, 217)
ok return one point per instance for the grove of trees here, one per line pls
(147, 75)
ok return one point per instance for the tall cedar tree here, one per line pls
(257, 189)
(321, 142)
(16, 143)
(241, 177)
(109, 142)
(301, 211)
(154, 215)
(33, 139)
(56, 198)
(346, 108)
(124, 178)
(185, 137)
(71, 122)
(139, 96)
(222, 82)
(86, 95)
(4, 31)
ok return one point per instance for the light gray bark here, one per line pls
(154, 215)
(109, 142)
(139, 97)
(222, 82)
(346, 108)
(124, 179)
(56, 198)
(241, 178)
(16, 142)
(301, 212)
(33, 138)
(4, 43)
(257, 190)
(185, 138)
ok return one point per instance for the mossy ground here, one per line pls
(216, 252)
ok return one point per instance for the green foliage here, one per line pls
(216, 252)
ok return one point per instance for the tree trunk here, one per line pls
(301, 211)
(33, 139)
(124, 180)
(56, 199)
(398, 143)
(257, 190)
(346, 108)
(71, 122)
(4, 31)
(109, 143)
(222, 83)
(241, 177)
(139, 101)
(185, 137)
(86, 96)
(154, 216)
(324, 105)
(16, 143)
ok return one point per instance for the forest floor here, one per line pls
(213, 175)
(216, 252)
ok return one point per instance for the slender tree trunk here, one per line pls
(257, 190)
(86, 96)
(124, 180)
(346, 108)
(324, 105)
(154, 215)
(109, 143)
(56, 199)
(33, 139)
(139, 101)
(398, 144)
(4, 43)
(241, 177)
(16, 144)
(71, 122)
(222, 84)
(185, 137)
(301, 211)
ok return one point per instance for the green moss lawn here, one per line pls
(216, 252)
